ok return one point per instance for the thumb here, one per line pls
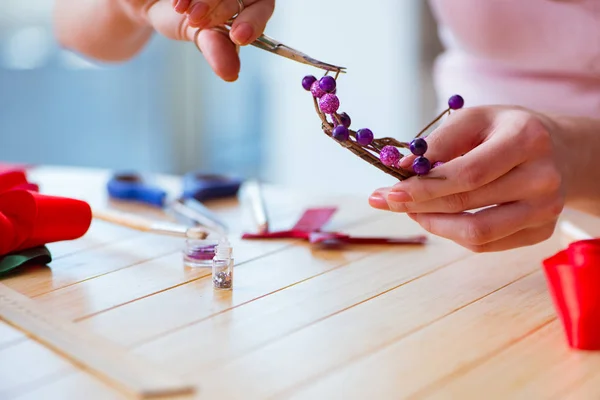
(462, 131)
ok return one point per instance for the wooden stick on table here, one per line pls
(103, 358)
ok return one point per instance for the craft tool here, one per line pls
(271, 45)
(197, 187)
(93, 353)
(203, 187)
(254, 196)
(145, 225)
(200, 214)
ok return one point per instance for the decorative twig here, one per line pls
(383, 152)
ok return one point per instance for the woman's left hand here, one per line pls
(509, 161)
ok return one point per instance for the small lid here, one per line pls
(224, 249)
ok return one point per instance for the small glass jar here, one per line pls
(199, 253)
(222, 267)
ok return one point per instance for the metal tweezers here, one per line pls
(271, 45)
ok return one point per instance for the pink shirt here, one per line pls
(540, 54)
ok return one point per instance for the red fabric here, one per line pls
(573, 277)
(309, 227)
(30, 219)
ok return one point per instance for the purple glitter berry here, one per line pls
(340, 133)
(329, 103)
(421, 166)
(307, 82)
(327, 84)
(418, 147)
(345, 119)
(364, 137)
(316, 91)
(437, 164)
(455, 102)
(389, 156)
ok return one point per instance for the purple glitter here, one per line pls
(437, 164)
(316, 90)
(329, 103)
(389, 156)
(202, 253)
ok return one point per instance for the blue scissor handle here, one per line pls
(204, 187)
(131, 187)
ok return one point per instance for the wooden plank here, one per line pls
(253, 325)
(100, 234)
(144, 279)
(91, 352)
(27, 364)
(405, 369)
(357, 332)
(75, 385)
(79, 267)
(540, 366)
(10, 335)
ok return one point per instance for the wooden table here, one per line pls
(432, 322)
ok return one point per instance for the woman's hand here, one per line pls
(517, 165)
(115, 30)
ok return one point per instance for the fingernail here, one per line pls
(378, 201)
(181, 6)
(242, 33)
(197, 13)
(405, 162)
(399, 197)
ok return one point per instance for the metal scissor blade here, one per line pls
(271, 45)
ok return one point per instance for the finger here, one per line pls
(251, 23)
(199, 11)
(518, 184)
(499, 154)
(488, 225)
(163, 18)
(464, 130)
(525, 237)
(181, 6)
(220, 52)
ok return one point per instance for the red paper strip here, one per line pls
(573, 277)
(314, 219)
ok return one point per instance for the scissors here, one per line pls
(271, 45)
(197, 187)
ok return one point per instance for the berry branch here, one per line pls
(382, 153)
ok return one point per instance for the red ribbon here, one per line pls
(30, 219)
(573, 277)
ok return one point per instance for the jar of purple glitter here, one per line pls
(199, 253)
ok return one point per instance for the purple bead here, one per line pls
(437, 164)
(340, 133)
(345, 119)
(455, 102)
(329, 103)
(327, 84)
(389, 156)
(307, 82)
(421, 166)
(364, 137)
(316, 91)
(418, 147)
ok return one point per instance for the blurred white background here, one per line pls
(165, 111)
